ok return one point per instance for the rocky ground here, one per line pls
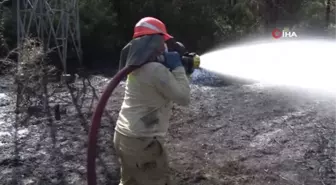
(229, 135)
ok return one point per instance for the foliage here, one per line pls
(107, 25)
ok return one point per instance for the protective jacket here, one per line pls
(149, 93)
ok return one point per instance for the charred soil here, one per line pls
(228, 135)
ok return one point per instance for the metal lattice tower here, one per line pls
(54, 22)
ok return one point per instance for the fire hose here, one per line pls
(95, 123)
(190, 62)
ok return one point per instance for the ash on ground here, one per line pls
(206, 78)
(234, 134)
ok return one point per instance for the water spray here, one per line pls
(305, 64)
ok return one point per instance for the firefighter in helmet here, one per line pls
(150, 92)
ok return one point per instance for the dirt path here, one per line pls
(246, 135)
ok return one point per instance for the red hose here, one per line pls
(95, 124)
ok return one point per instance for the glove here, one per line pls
(172, 60)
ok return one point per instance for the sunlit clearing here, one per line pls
(304, 64)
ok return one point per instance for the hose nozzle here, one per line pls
(191, 61)
(196, 61)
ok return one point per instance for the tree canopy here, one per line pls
(107, 25)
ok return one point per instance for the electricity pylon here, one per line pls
(54, 22)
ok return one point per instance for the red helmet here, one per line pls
(149, 26)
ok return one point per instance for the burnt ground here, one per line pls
(228, 135)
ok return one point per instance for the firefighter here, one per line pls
(150, 91)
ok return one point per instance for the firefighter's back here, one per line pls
(145, 112)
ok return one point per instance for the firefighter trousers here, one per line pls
(143, 160)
